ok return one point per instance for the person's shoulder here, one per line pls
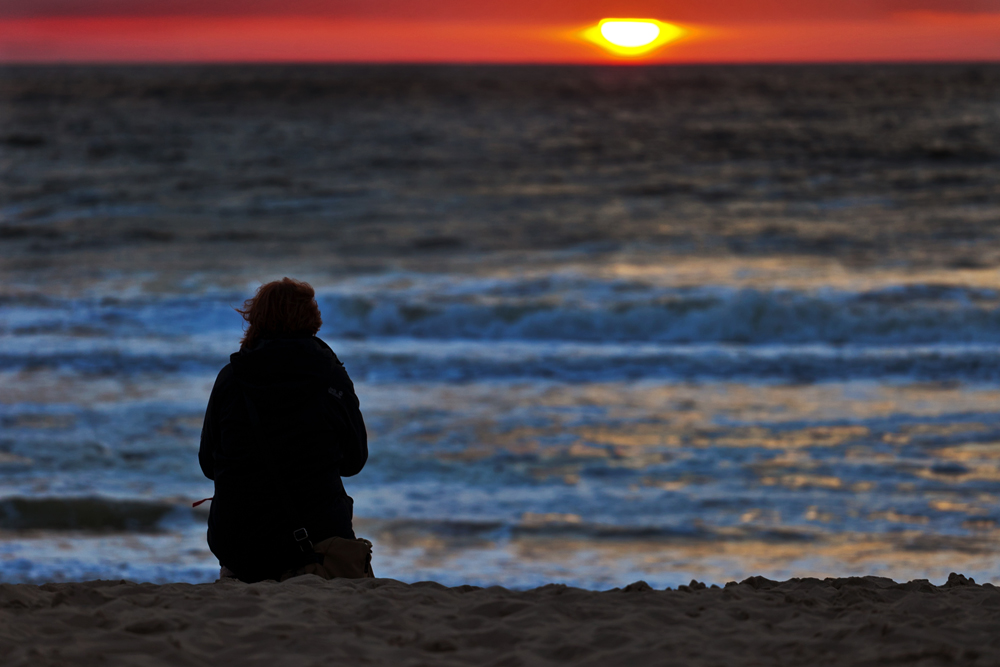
(326, 350)
(225, 376)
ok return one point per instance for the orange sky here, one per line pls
(511, 31)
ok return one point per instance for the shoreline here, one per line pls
(307, 620)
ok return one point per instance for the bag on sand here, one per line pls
(338, 557)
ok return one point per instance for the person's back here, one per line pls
(282, 426)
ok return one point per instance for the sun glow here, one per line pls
(632, 37)
(630, 33)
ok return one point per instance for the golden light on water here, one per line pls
(632, 37)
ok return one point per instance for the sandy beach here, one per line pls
(309, 621)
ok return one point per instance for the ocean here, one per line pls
(605, 323)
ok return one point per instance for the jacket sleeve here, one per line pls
(353, 438)
(210, 429)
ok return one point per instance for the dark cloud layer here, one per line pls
(517, 11)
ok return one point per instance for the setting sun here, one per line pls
(630, 33)
(632, 37)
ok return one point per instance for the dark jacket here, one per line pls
(281, 428)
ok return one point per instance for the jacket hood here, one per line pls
(283, 359)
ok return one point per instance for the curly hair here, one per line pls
(281, 307)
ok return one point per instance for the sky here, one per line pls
(512, 31)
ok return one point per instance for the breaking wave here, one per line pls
(91, 514)
(912, 314)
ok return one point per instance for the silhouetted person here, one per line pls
(281, 428)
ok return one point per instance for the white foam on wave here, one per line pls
(547, 308)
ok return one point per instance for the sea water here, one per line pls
(579, 422)
(696, 395)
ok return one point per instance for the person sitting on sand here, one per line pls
(283, 425)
